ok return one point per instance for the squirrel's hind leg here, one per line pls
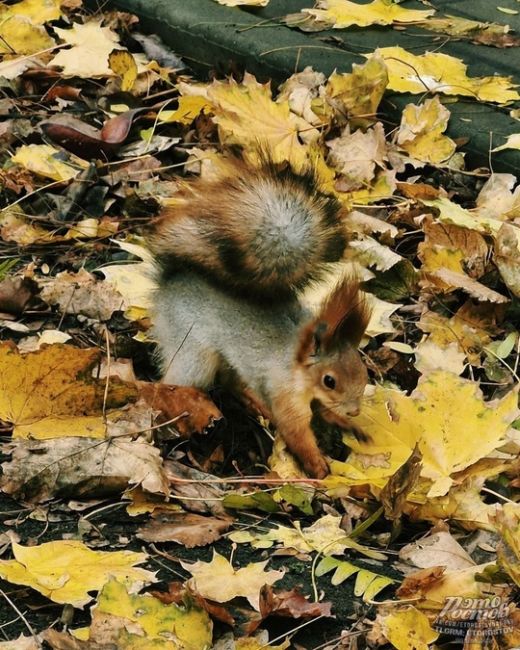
(191, 365)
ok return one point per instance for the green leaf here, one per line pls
(298, 496)
(259, 500)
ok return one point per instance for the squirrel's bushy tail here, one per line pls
(263, 232)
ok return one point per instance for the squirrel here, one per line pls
(234, 253)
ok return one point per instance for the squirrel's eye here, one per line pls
(329, 382)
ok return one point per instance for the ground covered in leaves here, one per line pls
(138, 515)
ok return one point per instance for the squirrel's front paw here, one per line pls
(316, 466)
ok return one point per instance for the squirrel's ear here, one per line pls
(345, 315)
(310, 344)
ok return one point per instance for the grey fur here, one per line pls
(201, 330)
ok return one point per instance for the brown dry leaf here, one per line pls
(395, 493)
(470, 328)
(80, 468)
(472, 244)
(357, 155)
(302, 90)
(82, 293)
(218, 580)
(477, 32)
(291, 604)
(437, 549)
(418, 191)
(198, 411)
(203, 491)
(18, 295)
(51, 392)
(417, 583)
(507, 256)
(184, 528)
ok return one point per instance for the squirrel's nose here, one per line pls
(353, 410)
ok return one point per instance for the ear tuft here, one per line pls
(346, 315)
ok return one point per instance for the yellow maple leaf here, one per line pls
(38, 12)
(468, 333)
(507, 521)
(50, 392)
(46, 160)
(445, 416)
(408, 629)
(66, 570)
(343, 13)
(421, 132)
(18, 35)
(219, 581)
(189, 107)
(247, 115)
(358, 93)
(441, 73)
(238, 3)
(146, 622)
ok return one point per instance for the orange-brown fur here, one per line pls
(224, 229)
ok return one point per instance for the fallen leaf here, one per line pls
(219, 581)
(19, 35)
(82, 293)
(441, 73)
(408, 629)
(123, 64)
(437, 549)
(81, 468)
(449, 438)
(45, 160)
(184, 528)
(188, 109)
(421, 132)
(18, 295)
(65, 571)
(357, 155)
(198, 411)
(122, 619)
(91, 47)
(507, 522)
(339, 14)
(246, 113)
(49, 392)
(356, 95)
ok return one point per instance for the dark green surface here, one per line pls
(208, 36)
